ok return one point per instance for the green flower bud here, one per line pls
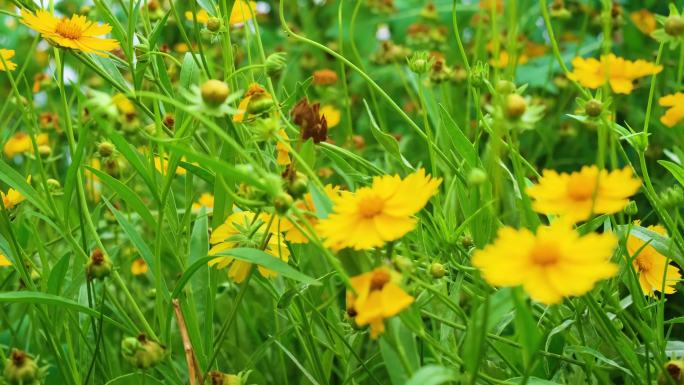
(674, 25)
(99, 266)
(214, 92)
(44, 151)
(53, 185)
(105, 149)
(631, 208)
(298, 186)
(437, 270)
(467, 241)
(515, 106)
(476, 177)
(214, 24)
(275, 63)
(282, 202)
(20, 368)
(142, 352)
(420, 62)
(675, 370)
(403, 263)
(505, 87)
(259, 104)
(593, 108)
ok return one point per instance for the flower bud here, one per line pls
(282, 203)
(214, 24)
(298, 186)
(20, 368)
(259, 104)
(467, 241)
(105, 149)
(44, 151)
(593, 108)
(99, 266)
(674, 25)
(505, 87)
(631, 209)
(515, 106)
(403, 263)
(420, 62)
(142, 352)
(437, 270)
(476, 177)
(218, 378)
(214, 92)
(675, 370)
(275, 63)
(53, 185)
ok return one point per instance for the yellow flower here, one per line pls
(675, 112)
(239, 231)
(242, 11)
(162, 165)
(7, 54)
(578, 195)
(205, 200)
(4, 261)
(332, 115)
(139, 267)
(253, 90)
(93, 185)
(618, 72)
(202, 16)
(377, 214)
(378, 296)
(123, 104)
(651, 266)
(503, 60)
(76, 33)
(644, 21)
(20, 143)
(552, 264)
(13, 197)
(282, 153)
(292, 233)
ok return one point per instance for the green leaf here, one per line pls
(676, 170)
(432, 375)
(58, 274)
(461, 144)
(268, 261)
(135, 160)
(77, 158)
(308, 153)
(19, 183)
(387, 141)
(135, 378)
(530, 381)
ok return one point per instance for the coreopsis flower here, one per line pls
(306, 204)
(245, 229)
(13, 197)
(6, 55)
(308, 117)
(242, 11)
(324, 77)
(205, 200)
(282, 152)
(139, 267)
(76, 33)
(332, 115)
(552, 264)
(202, 16)
(616, 71)
(655, 274)
(162, 165)
(580, 194)
(255, 92)
(675, 111)
(378, 296)
(381, 213)
(20, 143)
(644, 20)
(4, 261)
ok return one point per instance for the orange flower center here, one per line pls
(379, 279)
(581, 187)
(544, 254)
(69, 30)
(370, 206)
(642, 263)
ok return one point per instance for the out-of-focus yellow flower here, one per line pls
(162, 165)
(7, 54)
(552, 264)
(578, 195)
(282, 153)
(651, 266)
(292, 232)
(644, 20)
(205, 200)
(378, 296)
(93, 185)
(381, 213)
(244, 229)
(20, 143)
(242, 11)
(13, 197)
(4, 261)
(332, 115)
(123, 104)
(76, 33)
(139, 267)
(202, 16)
(675, 112)
(616, 71)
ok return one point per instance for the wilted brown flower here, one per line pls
(308, 117)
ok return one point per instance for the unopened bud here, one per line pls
(437, 270)
(476, 177)
(515, 106)
(44, 151)
(674, 25)
(20, 368)
(214, 24)
(99, 266)
(593, 108)
(142, 352)
(105, 149)
(631, 209)
(214, 92)
(282, 202)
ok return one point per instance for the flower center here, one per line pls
(68, 29)
(642, 263)
(370, 206)
(581, 187)
(544, 254)
(379, 279)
